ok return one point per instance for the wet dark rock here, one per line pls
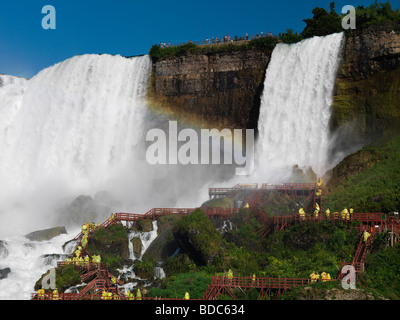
(46, 234)
(4, 273)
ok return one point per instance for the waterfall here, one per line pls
(146, 238)
(72, 129)
(295, 108)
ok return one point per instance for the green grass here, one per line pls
(383, 272)
(175, 287)
(263, 44)
(376, 189)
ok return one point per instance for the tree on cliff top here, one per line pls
(322, 23)
(376, 13)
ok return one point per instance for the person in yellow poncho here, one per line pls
(366, 235)
(96, 259)
(55, 294)
(138, 294)
(84, 240)
(327, 213)
(316, 211)
(78, 252)
(344, 213)
(130, 295)
(230, 274)
(302, 214)
(40, 293)
(328, 277)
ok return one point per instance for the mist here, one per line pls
(73, 147)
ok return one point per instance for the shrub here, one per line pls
(175, 287)
(198, 237)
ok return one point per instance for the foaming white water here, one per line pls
(146, 238)
(295, 108)
(27, 263)
(68, 130)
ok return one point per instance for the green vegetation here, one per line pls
(322, 23)
(115, 233)
(219, 203)
(375, 189)
(290, 36)
(112, 245)
(144, 269)
(197, 236)
(377, 13)
(383, 272)
(264, 44)
(195, 283)
(301, 249)
(294, 252)
(66, 276)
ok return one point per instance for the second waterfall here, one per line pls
(295, 108)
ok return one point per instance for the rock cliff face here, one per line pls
(223, 90)
(220, 90)
(367, 96)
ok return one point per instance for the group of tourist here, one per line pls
(225, 39)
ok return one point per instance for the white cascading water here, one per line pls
(295, 108)
(146, 238)
(69, 131)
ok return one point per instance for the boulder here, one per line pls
(197, 237)
(219, 203)
(145, 225)
(46, 234)
(4, 273)
(137, 246)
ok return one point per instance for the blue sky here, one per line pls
(131, 27)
